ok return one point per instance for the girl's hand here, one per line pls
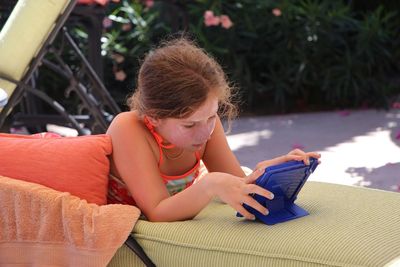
(236, 191)
(295, 154)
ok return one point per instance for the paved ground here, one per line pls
(357, 147)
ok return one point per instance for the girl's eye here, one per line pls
(188, 126)
(213, 117)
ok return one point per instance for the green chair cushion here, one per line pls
(347, 226)
(23, 35)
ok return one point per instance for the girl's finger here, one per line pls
(303, 158)
(306, 159)
(297, 152)
(239, 208)
(311, 155)
(254, 175)
(314, 155)
(255, 189)
(255, 205)
(294, 157)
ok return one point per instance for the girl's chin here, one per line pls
(192, 147)
(197, 147)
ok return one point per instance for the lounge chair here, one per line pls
(347, 226)
(27, 42)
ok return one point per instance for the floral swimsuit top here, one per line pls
(118, 192)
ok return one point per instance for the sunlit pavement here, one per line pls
(358, 147)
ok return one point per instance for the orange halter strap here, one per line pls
(159, 141)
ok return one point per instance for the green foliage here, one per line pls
(286, 55)
(128, 36)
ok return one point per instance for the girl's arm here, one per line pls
(134, 161)
(218, 156)
(295, 154)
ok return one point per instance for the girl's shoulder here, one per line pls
(128, 122)
(128, 130)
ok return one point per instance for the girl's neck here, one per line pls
(173, 153)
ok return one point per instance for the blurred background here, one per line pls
(284, 56)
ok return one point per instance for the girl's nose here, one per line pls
(204, 133)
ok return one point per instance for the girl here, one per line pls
(174, 125)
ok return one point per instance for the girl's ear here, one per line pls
(155, 122)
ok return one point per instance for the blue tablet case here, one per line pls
(285, 182)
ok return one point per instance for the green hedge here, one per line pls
(284, 56)
(287, 55)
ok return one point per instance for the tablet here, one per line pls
(285, 182)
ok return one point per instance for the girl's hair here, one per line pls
(176, 78)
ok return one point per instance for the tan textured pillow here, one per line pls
(43, 227)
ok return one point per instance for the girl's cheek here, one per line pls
(182, 137)
(203, 134)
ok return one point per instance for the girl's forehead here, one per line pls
(204, 111)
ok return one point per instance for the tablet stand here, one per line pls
(285, 182)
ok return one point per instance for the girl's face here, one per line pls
(194, 131)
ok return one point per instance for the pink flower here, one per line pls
(126, 27)
(398, 135)
(396, 105)
(149, 3)
(120, 75)
(298, 146)
(344, 113)
(88, 2)
(102, 2)
(118, 58)
(277, 12)
(210, 19)
(226, 21)
(107, 22)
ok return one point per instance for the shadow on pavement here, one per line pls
(348, 141)
(385, 177)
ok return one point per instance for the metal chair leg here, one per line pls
(135, 247)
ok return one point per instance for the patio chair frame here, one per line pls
(96, 100)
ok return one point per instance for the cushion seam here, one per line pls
(252, 253)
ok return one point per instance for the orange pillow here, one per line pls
(78, 165)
